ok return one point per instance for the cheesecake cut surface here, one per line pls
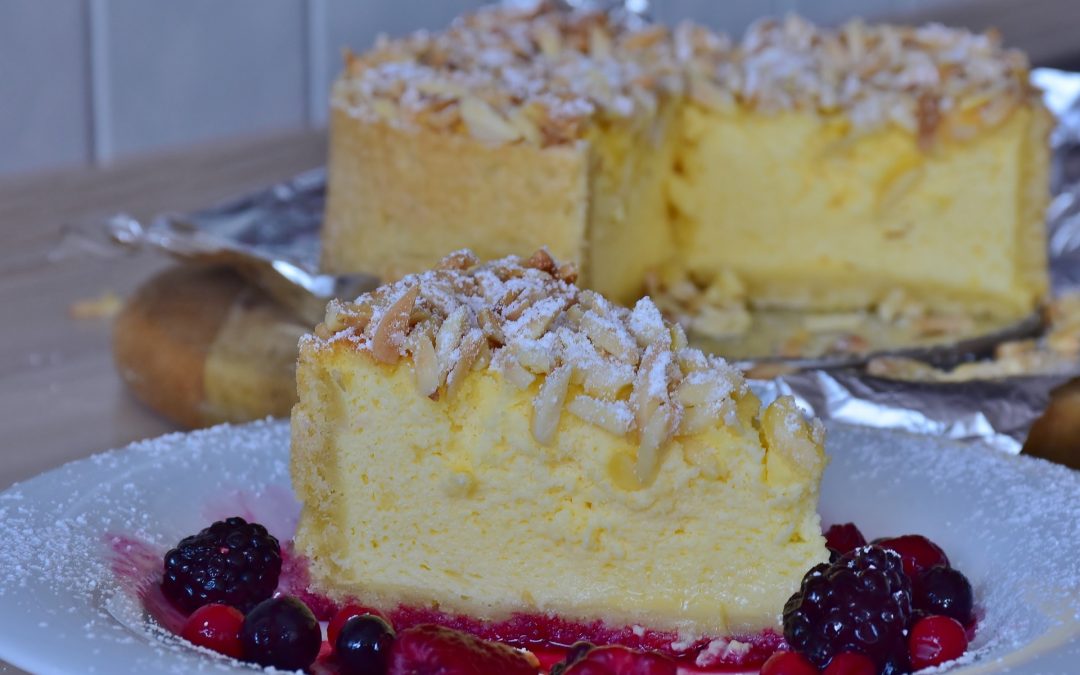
(816, 169)
(491, 440)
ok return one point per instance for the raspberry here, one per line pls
(616, 660)
(215, 627)
(861, 604)
(787, 663)
(850, 663)
(283, 633)
(945, 591)
(935, 640)
(918, 552)
(363, 645)
(428, 649)
(344, 614)
(232, 562)
(844, 537)
(575, 653)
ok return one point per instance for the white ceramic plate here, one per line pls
(1012, 524)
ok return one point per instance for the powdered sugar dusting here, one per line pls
(541, 75)
(526, 320)
(1012, 524)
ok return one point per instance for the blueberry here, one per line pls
(281, 632)
(363, 645)
(945, 591)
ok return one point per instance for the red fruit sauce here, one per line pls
(138, 565)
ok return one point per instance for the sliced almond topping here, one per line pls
(425, 364)
(389, 335)
(534, 356)
(468, 352)
(567, 272)
(655, 434)
(611, 336)
(613, 416)
(541, 260)
(485, 123)
(458, 260)
(449, 337)
(696, 420)
(548, 404)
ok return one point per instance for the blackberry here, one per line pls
(945, 591)
(861, 603)
(232, 562)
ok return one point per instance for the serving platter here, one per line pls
(71, 538)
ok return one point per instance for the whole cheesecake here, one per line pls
(490, 443)
(798, 168)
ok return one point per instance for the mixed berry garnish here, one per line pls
(216, 627)
(887, 608)
(232, 562)
(861, 604)
(362, 645)
(281, 632)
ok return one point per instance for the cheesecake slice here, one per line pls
(493, 442)
(800, 167)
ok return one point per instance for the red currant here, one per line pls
(344, 614)
(935, 640)
(787, 663)
(918, 552)
(215, 627)
(850, 663)
(844, 537)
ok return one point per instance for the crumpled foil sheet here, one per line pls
(273, 237)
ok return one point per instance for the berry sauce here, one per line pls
(137, 565)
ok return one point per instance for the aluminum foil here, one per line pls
(273, 237)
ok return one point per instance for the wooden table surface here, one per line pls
(60, 398)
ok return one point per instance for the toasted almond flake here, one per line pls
(485, 123)
(654, 435)
(613, 416)
(449, 336)
(611, 336)
(458, 260)
(541, 260)
(548, 404)
(389, 336)
(533, 356)
(467, 354)
(425, 364)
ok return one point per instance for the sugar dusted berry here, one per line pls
(215, 627)
(281, 632)
(945, 591)
(844, 537)
(232, 562)
(363, 644)
(788, 663)
(918, 552)
(935, 640)
(428, 648)
(861, 604)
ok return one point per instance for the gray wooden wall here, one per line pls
(93, 81)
